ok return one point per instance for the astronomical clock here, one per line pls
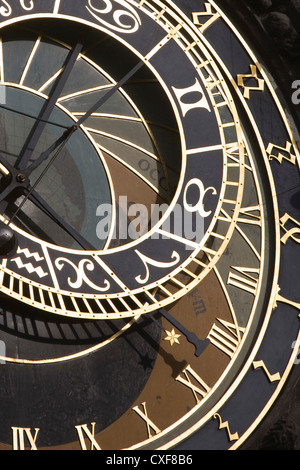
(149, 231)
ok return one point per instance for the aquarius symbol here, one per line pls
(27, 253)
(29, 266)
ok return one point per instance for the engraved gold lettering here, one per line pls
(291, 227)
(245, 280)
(83, 429)
(281, 153)
(198, 17)
(261, 365)
(225, 425)
(19, 438)
(282, 299)
(242, 78)
(144, 415)
(251, 215)
(228, 339)
(187, 372)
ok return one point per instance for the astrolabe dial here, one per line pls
(71, 189)
(146, 228)
(102, 150)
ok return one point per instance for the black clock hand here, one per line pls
(52, 123)
(111, 92)
(101, 101)
(67, 134)
(125, 79)
(192, 338)
(60, 142)
(50, 105)
(200, 345)
(20, 179)
(24, 187)
(48, 210)
(12, 180)
(20, 182)
(65, 137)
(72, 129)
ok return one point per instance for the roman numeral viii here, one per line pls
(226, 337)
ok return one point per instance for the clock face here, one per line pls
(149, 228)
